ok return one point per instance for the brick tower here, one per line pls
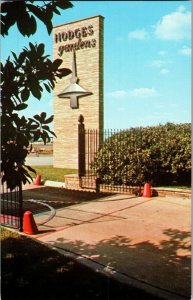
(80, 45)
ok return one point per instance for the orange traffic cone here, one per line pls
(29, 224)
(147, 190)
(38, 180)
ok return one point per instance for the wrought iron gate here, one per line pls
(11, 207)
(100, 166)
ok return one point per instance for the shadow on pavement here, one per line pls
(57, 198)
(166, 266)
(35, 272)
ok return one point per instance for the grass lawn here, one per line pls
(51, 173)
(31, 270)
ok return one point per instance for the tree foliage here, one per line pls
(160, 155)
(25, 13)
(26, 75)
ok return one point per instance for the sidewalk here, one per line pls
(142, 241)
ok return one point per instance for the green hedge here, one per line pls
(159, 154)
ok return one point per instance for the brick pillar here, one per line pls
(86, 38)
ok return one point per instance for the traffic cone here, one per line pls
(38, 180)
(29, 224)
(147, 190)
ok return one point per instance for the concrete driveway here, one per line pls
(144, 240)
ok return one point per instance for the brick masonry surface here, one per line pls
(89, 62)
(72, 182)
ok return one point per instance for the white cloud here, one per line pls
(117, 94)
(158, 63)
(181, 8)
(185, 50)
(164, 71)
(138, 34)
(142, 92)
(162, 53)
(175, 26)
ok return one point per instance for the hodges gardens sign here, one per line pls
(70, 35)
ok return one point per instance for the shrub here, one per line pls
(159, 154)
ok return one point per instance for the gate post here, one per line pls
(81, 147)
(20, 208)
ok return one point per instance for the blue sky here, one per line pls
(147, 60)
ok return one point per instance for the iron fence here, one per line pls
(102, 166)
(11, 207)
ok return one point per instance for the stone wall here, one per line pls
(89, 62)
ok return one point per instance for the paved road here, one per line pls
(146, 239)
(39, 160)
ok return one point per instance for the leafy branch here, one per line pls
(25, 13)
(23, 76)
